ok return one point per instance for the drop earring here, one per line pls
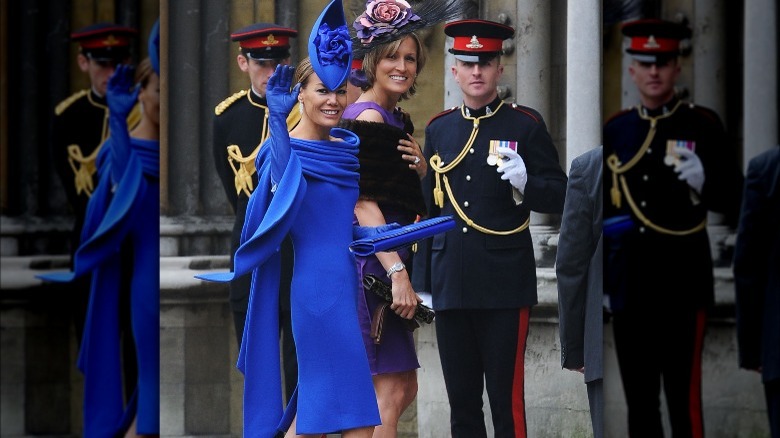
(300, 107)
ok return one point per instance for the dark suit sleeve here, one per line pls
(576, 244)
(546, 187)
(751, 255)
(59, 156)
(421, 275)
(220, 161)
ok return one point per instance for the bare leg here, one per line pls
(131, 433)
(394, 393)
(363, 432)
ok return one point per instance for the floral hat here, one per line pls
(389, 20)
(330, 46)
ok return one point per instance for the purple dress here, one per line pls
(397, 351)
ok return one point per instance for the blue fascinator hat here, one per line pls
(154, 47)
(330, 46)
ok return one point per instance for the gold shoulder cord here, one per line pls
(244, 167)
(618, 170)
(84, 167)
(438, 194)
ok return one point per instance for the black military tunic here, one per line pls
(81, 123)
(467, 268)
(665, 256)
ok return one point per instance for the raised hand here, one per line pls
(121, 93)
(278, 94)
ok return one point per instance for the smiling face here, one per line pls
(655, 81)
(478, 80)
(322, 108)
(396, 72)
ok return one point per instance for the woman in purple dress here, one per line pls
(391, 167)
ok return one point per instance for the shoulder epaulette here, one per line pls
(445, 112)
(62, 106)
(525, 110)
(707, 112)
(222, 106)
(618, 114)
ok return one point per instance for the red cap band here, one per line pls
(651, 44)
(265, 41)
(476, 44)
(104, 41)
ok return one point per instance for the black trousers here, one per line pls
(772, 392)
(489, 345)
(655, 349)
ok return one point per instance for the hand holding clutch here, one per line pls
(423, 314)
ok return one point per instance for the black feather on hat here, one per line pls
(384, 21)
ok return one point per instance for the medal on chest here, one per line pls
(493, 156)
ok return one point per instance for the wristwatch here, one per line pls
(398, 266)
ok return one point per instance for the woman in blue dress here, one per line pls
(123, 212)
(308, 186)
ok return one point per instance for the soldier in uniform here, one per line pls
(667, 163)
(491, 163)
(240, 127)
(79, 128)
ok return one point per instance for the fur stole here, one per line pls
(385, 176)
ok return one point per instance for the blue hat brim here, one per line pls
(332, 74)
(154, 47)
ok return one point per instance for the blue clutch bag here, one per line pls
(402, 237)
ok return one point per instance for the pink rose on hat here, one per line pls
(383, 17)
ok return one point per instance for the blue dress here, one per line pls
(121, 211)
(313, 202)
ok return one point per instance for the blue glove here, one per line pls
(121, 97)
(360, 232)
(280, 102)
(121, 93)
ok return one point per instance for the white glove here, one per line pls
(690, 169)
(513, 168)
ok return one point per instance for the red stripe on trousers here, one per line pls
(518, 386)
(694, 395)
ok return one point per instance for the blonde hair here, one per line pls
(380, 52)
(143, 72)
(303, 70)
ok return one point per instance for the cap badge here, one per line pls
(651, 43)
(270, 41)
(110, 41)
(474, 43)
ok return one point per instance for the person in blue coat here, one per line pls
(307, 188)
(123, 212)
(757, 279)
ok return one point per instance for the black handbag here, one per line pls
(423, 314)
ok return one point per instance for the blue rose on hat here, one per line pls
(333, 45)
(330, 46)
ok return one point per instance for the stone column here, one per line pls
(583, 78)
(760, 95)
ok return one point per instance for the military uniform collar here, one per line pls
(661, 110)
(485, 110)
(95, 97)
(255, 98)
